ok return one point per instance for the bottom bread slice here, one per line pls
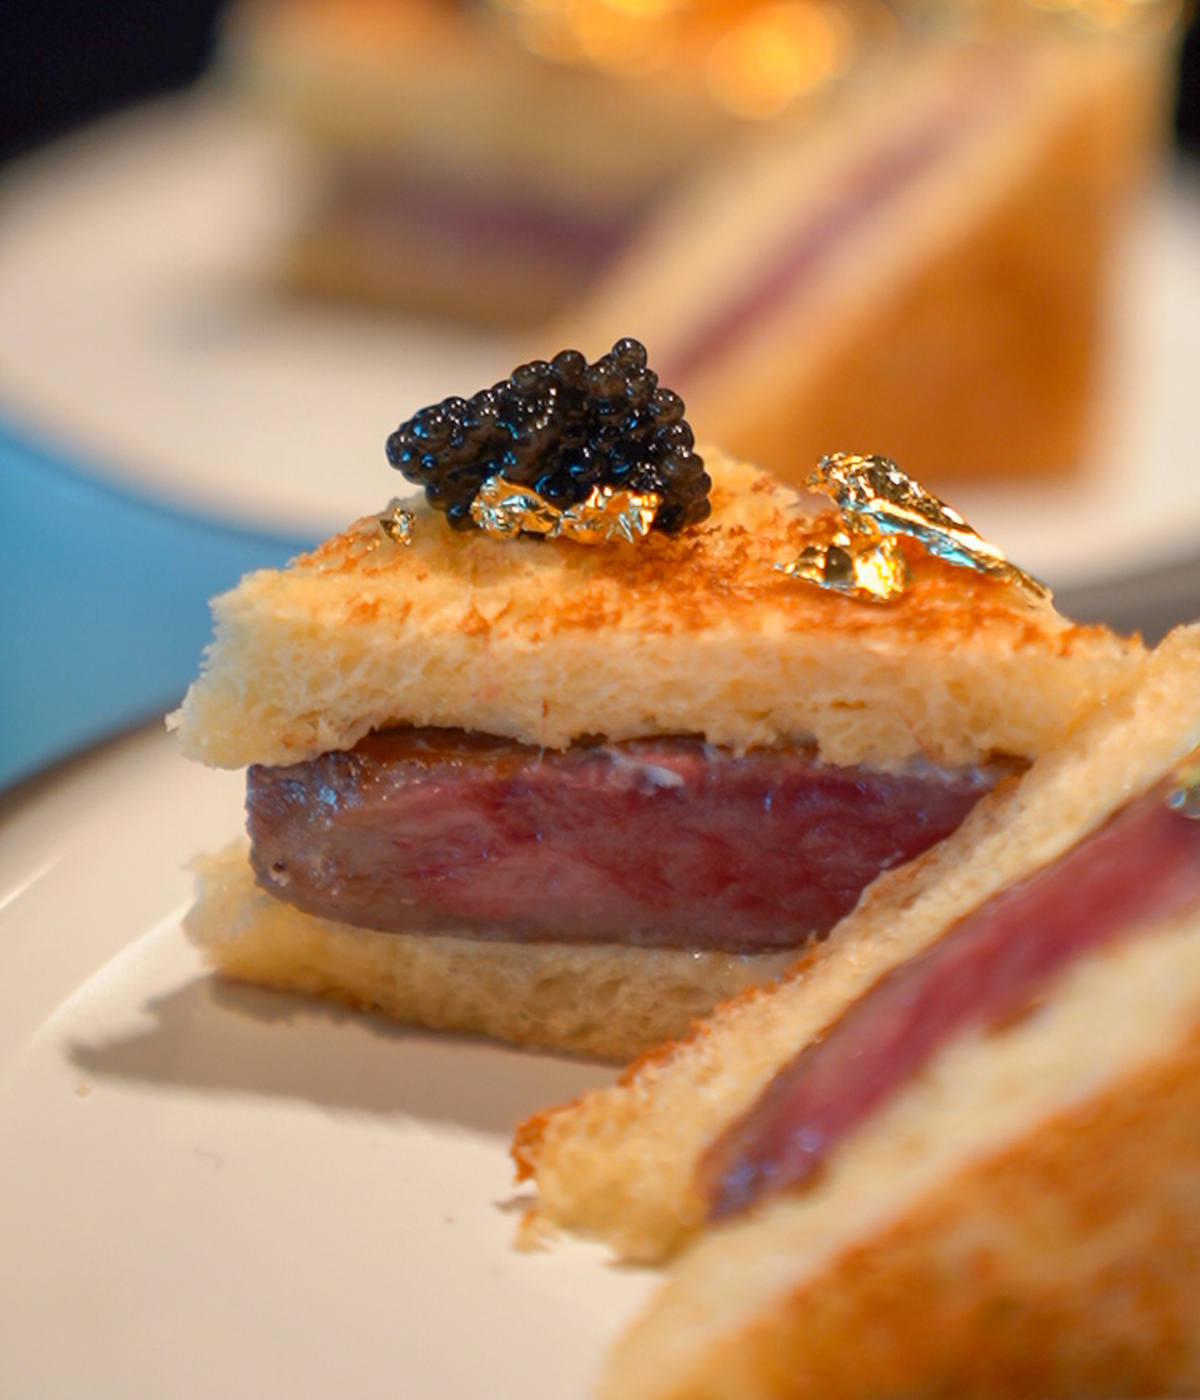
(1024, 1221)
(601, 1000)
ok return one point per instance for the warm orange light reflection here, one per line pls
(777, 54)
(756, 58)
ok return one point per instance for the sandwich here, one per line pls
(931, 265)
(849, 221)
(600, 731)
(454, 174)
(955, 1151)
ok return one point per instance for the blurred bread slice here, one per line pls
(892, 225)
(929, 264)
(460, 176)
(1023, 1218)
(1026, 1224)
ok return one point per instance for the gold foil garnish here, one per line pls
(879, 503)
(1184, 794)
(397, 524)
(505, 510)
(610, 514)
(873, 572)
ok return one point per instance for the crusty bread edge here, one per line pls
(697, 634)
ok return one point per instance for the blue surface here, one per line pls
(103, 602)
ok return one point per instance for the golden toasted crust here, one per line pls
(548, 641)
(600, 1000)
(620, 1162)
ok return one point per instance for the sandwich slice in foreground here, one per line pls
(958, 1152)
(600, 734)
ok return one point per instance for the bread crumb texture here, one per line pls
(547, 641)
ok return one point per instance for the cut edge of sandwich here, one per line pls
(1021, 1221)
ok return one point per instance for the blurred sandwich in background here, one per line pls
(833, 222)
(463, 176)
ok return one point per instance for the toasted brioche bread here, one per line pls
(1020, 1219)
(547, 642)
(1027, 1225)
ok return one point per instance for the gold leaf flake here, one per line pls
(505, 510)
(609, 514)
(397, 524)
(879, 502)
(872, 571)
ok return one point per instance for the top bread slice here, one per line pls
(620, 1163)
(548, 642)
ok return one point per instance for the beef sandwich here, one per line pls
(932, 267)
(956, 1151)
(888, 222)
(595, 736)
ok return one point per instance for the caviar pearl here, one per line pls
(561, 427)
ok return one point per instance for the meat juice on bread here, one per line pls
(601, 733)
(999, 1199)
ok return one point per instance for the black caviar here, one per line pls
(561, 427)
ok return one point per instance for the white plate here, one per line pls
(208, 1191)
(133, 327)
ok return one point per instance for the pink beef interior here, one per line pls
(1138, 869)
(377, 194)
(661, 842)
